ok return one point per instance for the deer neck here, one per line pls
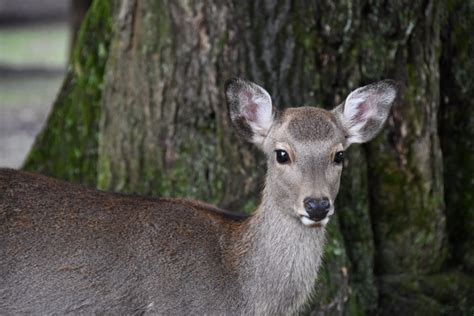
(278, 259)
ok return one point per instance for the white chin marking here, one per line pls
(306, 221)
(324, 221)
(309, 222)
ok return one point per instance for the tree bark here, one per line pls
(164, 121)
(405, 164)
(164, 127)
(67, 146)
(457, 129)
(78, 11)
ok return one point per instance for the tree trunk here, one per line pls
(407, 204)
(164, 122)
(67, 146)
(457, 129)
(164, 127)
(77, 13)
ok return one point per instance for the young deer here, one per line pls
(70, 249)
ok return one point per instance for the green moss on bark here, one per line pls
(449, 293)
(401, 295)
(67, 146)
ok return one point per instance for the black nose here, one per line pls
(317, 208)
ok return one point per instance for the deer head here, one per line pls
(305, 146)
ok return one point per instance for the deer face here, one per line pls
(305, 146)
(305, 150)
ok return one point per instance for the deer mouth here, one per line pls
(314, 222)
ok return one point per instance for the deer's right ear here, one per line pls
(250, 108)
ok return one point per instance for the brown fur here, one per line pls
(69, 222)
(309, 123)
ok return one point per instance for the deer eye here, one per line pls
(339, 157)
(282, 156)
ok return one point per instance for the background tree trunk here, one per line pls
(78, 10)
(457, 129)
(67, 146)
(164, 128)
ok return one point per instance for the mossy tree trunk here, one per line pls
(77, 11)
(154, 121)
(67, 146)
(457, 128)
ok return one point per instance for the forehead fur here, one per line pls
(310, 124)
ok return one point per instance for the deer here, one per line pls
(67, 248)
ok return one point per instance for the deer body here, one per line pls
(65, 248)
(123, 254)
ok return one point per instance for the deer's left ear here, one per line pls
(365, 110)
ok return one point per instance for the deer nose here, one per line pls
(317, 208)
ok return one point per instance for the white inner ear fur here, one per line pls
(258, 112)
(362, 105)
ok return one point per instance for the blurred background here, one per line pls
(35, 40)
(136, 103)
